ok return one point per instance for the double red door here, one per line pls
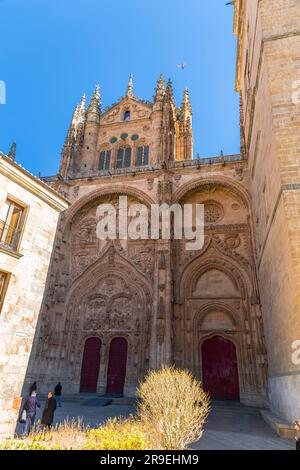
(219, 368)
(117, 362)
(90, 365)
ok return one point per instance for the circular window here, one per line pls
(124, 136)
(213, 212)
(113, 140)
(236, 207)
(134, 137)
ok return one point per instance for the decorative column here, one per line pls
(161, 343)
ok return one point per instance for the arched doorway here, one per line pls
(117, 362)
(90, 365)
(219, 368)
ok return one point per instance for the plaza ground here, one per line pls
(230, 426)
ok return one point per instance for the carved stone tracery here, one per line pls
(117, 289)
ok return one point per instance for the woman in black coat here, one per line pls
(48, 413)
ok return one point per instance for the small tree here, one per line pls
(173, 403)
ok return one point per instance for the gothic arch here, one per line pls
(114, 189)
(199, 266)
(104, 263)
(84, 317)
(212, 306)
(238, 349)
(211, 241)
(235, 336)
(214, 182)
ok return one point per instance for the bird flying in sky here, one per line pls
(182, 65)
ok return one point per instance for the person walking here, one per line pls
(30, 406)
(48, 413)
(297, 437)
(57, 393)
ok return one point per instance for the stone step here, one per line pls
(283, 428)
(85, 397)
(233, 407)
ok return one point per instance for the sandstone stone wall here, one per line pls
(270, 68)
(163, 299)
(24, 295)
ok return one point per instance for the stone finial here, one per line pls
(186, 103)
(129, 92)
(169, 92)
(79, 113)
(83, 103)
(95, 103)
(12, 151)
(160, 90)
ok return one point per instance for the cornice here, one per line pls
(26, 180)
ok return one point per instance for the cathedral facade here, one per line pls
(113, 311)
(228, 312)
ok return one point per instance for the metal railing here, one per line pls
(9, 235)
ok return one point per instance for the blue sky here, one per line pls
(52, 51)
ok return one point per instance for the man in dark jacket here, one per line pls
(48, 414)
(31, 405)
(57, 393)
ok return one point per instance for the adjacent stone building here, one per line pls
(268, 77)
(29, 211)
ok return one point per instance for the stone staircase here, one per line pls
(81, 398)
(223, 407)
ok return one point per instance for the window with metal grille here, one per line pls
(142, 156)
(124, 157)
(104, 162)
(12, 224)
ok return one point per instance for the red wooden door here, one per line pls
(219, 368)
(90, 365)
(116, 372)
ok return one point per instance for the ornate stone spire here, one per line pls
(169, 92)
(12, 151)
(74, 139)
(186, 104)
(129, 92)
(185, 140)
(95, 103)
(80, 113)
(160, 90)
(83, 103)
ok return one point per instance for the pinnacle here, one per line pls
(169, 91)
(186, 103)
(160, 88)
(95, 104)
(129, 92)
